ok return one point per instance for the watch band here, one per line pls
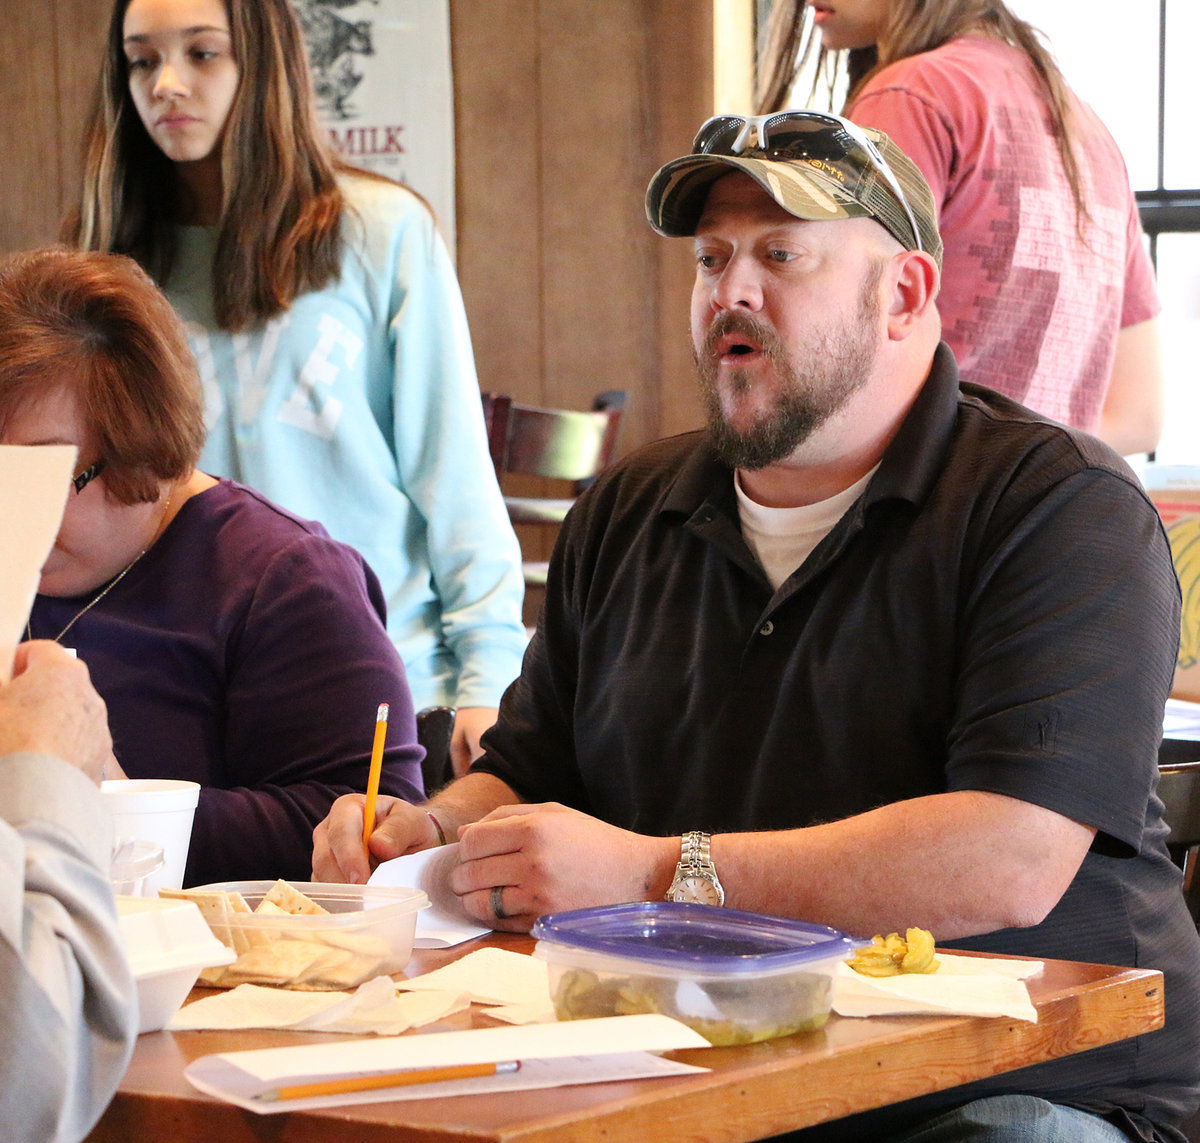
(696, 876)
(696, 852)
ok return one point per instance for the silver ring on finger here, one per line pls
(498, 903)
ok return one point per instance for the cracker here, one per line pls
(217, 906)
(291, 900)
(336, 970)
(362, 944)
(280, 962)
(213, 977)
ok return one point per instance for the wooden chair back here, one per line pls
(567, 445)
(435, 726)
(560, 444)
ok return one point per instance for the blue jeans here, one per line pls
(1012, 1119)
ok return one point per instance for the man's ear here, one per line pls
(914, 278)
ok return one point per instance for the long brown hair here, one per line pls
(281, 208)
(916, 26)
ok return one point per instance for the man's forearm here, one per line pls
(958, 864)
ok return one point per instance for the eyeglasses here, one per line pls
(802, 135)
(87, 476)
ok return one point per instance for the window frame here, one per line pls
(1162, 210)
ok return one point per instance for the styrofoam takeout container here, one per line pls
(168, 943)
(367, 931)
(734, 977)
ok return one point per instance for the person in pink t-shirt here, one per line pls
(1048, 293)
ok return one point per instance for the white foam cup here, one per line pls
(159, 810)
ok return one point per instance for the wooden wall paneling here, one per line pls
(610, 91)
(564, 109)
(498, 135)
(683, 96)
(81, 33)
(49, 52)
(597, 249)
(497, 108)
(29, 176)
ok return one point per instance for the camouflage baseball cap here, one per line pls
(815, 165)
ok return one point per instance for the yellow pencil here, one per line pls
(393, 1079)
(373, 780)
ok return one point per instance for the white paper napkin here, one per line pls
(962, 986)
(535, 1012)
(374, 1007)
(517, 984)
(489, 976)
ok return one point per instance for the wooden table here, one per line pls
(751, 1092)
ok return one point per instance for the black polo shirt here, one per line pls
(998, 611)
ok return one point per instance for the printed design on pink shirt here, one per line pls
(1032, 331)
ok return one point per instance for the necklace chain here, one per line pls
(111, 583)
(95, 599)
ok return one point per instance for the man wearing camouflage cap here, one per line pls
(883, 651)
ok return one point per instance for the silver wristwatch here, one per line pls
(696, 880)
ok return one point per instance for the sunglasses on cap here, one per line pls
(802, 135)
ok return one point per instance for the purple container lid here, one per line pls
(696, 937)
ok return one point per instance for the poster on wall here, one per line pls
(385, 90)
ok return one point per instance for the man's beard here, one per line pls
(838, 360)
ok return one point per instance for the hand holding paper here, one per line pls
(50, 707)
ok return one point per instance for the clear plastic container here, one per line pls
(366, 931)
(734, 977)
(133, 863)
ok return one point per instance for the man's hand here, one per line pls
(400, 828)
(470, 722)
(51, 707)
(539, 859)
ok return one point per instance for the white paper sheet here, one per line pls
(34, 482)
(551, 1055)
(444, 923)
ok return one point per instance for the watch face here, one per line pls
(697, 891)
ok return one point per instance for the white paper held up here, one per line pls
(34, 481)
(444, 923)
